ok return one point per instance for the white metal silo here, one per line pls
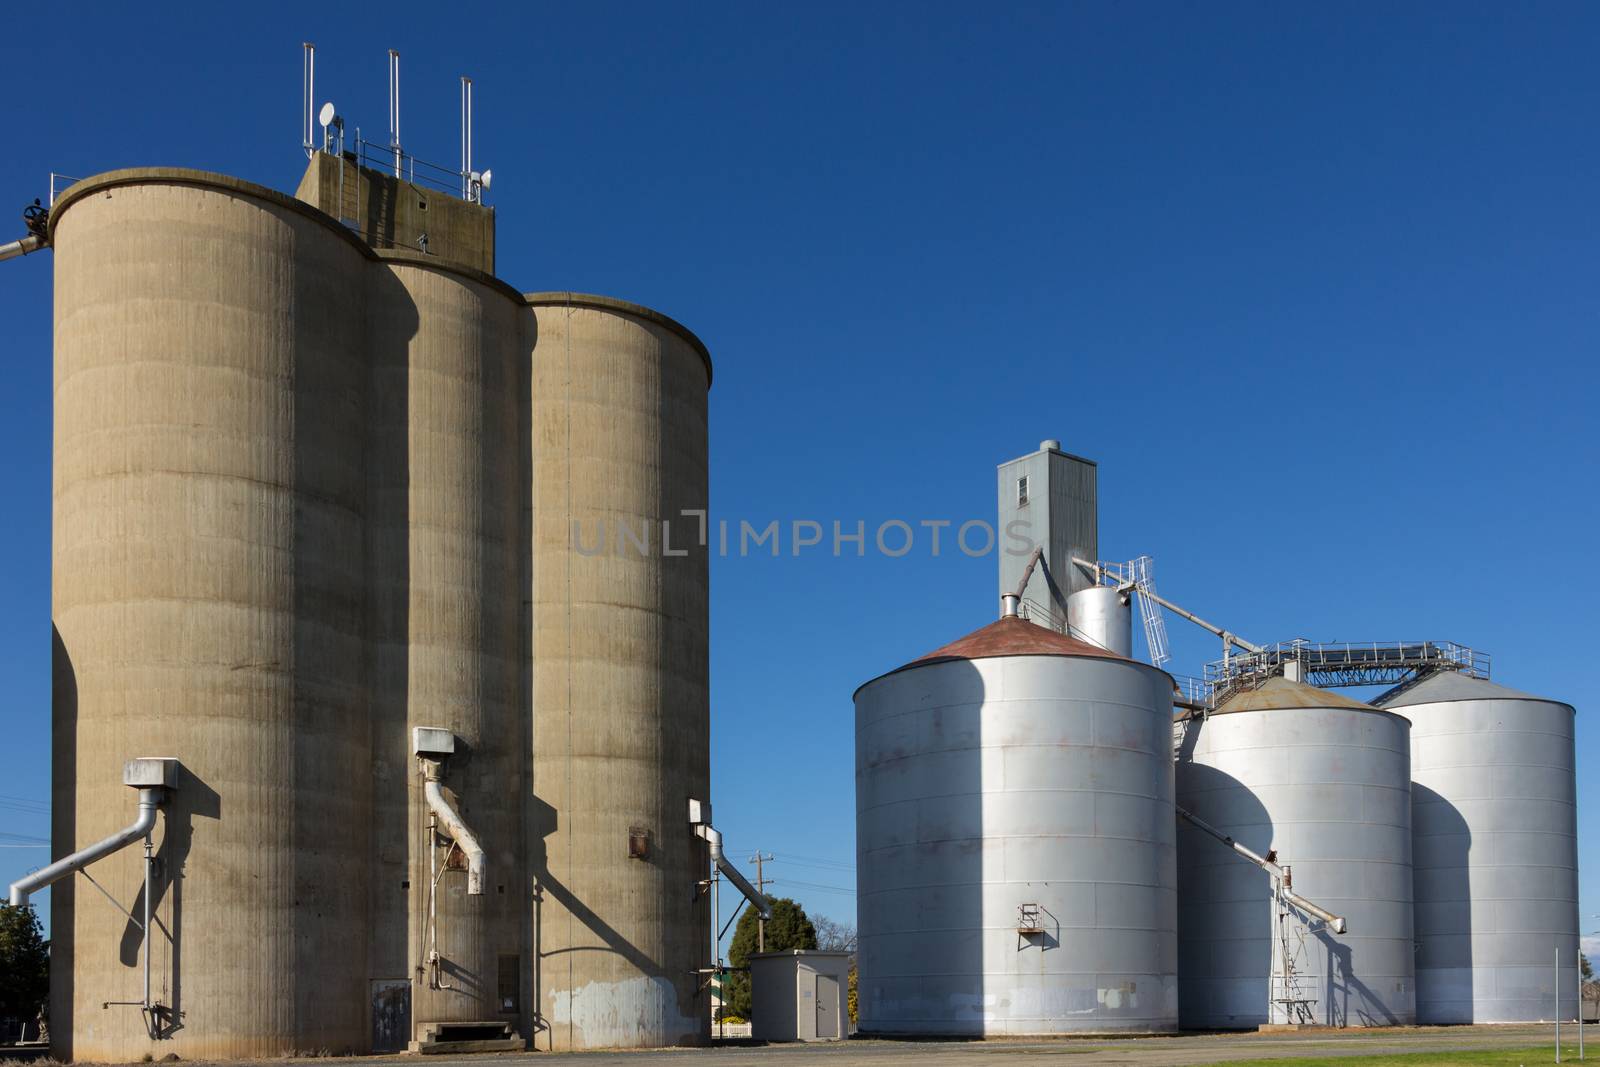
(1102, 616)
(1494, 832)
(1323, 782)
(1015, 840)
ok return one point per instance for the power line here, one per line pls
(812, 885)
(815, 863)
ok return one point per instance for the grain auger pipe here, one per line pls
(1279, 875)
(22, 246)
(1010, 603)
(1228, 636)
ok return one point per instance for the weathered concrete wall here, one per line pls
(391, 213)
(209, 490)
(621, 734)
(295, 489)
(450, 583)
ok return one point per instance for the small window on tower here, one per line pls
(1022, 491)
(638, 843)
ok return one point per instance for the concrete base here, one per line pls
(436, 1039)
(1286, 1028)
(453, 1048)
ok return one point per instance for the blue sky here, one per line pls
(1314, 284)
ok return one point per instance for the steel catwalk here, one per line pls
(1494, 831)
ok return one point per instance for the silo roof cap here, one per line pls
(1279, 693)
(1011, 636)
(1453, 685)
(1014, 636)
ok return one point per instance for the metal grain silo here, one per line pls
(1015, 840)
(448, 559)
(620, 660)
(1494, 832)
(208, 600)
(1324, 781)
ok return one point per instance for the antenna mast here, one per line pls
(308, 96)
(466, 138)
(394, 108)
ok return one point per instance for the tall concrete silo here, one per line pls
(620, 655)
(208, 596)
(1494, 830)
(1015, 840)
(1324, 782)
(448, 560)
(305, 478)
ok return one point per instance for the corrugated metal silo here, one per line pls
(1015, 840)
(448, 558)
(620, 660)
(1325, 781)
(208, 596)
(1494, 827)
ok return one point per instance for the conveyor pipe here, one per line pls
(22, 246)
(1279, 876)
(1226, 635)
(149, 801)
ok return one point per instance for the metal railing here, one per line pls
(391, 159)
(59, 183)
(1336, 664)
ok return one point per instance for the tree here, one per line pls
(789, 928)
(834, 936)
(1585, 968)
(24, 963)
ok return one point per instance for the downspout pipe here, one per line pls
(1278, 875)
(713, 838)
(468, 842)
(149, 800)
(1010, 603)
(22, 246)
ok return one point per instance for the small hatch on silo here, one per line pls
(638, 843)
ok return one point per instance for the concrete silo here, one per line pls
(1015, 840)
(448, 563)
(1322, 782)
(620, 656)
(304, 482)
(1494, 830)
(208, 593)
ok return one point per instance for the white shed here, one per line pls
(799, 995)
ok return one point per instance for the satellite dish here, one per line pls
(326, 115)
(486, 176)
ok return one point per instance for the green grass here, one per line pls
(1514, 1057)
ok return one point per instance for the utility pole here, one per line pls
(761, 887)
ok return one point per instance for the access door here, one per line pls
(827, 1008)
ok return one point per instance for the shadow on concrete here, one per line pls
(63, 840)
